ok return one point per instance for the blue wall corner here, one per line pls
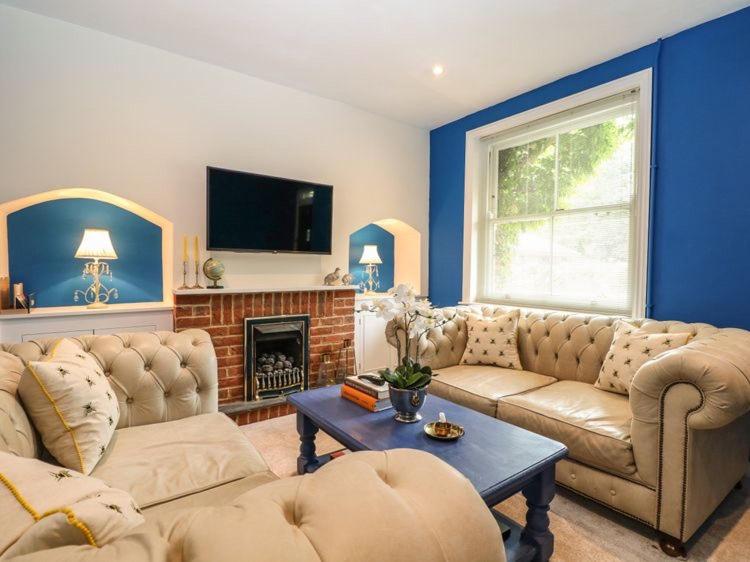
(702, 194)
(43, 238)
(372, 234)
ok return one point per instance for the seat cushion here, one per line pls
(479, 386)
(224, 494)
(163, 461)
(592, 423)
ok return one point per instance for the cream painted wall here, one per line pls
(79, 108)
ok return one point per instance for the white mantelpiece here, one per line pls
(276, 289)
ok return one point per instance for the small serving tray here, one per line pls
(443, 431)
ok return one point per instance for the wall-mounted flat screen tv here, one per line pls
(256, 213)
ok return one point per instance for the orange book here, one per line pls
(364, 400)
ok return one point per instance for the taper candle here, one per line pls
(184, 248)
(195, 248)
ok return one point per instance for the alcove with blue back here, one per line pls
(384, 240)
(43, 238)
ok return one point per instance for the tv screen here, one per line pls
(255, 213)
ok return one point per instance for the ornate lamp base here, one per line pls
(96, 295)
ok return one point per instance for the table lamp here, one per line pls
(96, 245)
(371, 259)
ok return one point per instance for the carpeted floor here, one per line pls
(584, 531)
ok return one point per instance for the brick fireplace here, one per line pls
(223, 316)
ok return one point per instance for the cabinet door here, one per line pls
(375, 351)
(125, 329)
(53, 335)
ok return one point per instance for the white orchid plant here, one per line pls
(414, 318)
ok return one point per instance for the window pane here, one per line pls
(596, 164)
(521, 258)
(591, 253)
(562, 198)
(526, 178)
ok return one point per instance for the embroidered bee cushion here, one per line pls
(492, 341)
(45, 506)
(71, 404)
(630, 349)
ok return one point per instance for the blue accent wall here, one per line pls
(701, 201)
(43, 238)
(372, 234)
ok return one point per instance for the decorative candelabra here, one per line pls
(184, 276)
(196, 257)
(96, 245)
(185, 262)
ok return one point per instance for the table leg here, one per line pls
(539, 494)
(307, 460)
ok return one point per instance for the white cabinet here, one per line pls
(372, 350)
(47, 323)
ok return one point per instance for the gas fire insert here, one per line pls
(276, 356)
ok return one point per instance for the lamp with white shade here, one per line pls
(371, 259)
(96, 245)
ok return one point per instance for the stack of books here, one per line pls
(364, 393)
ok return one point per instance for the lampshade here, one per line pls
(96, 244)
(370, 255)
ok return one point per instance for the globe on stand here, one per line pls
(213, 270)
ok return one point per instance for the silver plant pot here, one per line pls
(407, 403)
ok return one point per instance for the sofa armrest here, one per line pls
(362, 506)
(440, 347)
(690, 424)
(718, 366)
(386, 505)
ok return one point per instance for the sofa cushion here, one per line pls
(45, 506)
(479, 387)
(592, 423)
(630, 349)
(71, 404)
(164, 461)
(492, 341)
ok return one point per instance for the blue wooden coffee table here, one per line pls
(498, 458)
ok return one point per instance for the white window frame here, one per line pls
(475, 187)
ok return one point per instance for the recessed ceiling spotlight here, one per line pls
(437, 69)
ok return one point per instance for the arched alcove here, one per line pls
(39, 235)
(399, 248)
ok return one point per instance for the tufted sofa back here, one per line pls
(157, 377)
(563, 345)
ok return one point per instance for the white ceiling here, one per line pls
(378, 54)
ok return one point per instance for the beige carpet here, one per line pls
(584, 531)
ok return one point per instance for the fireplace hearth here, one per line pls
(276, 356)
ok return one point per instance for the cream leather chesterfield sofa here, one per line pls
(666, 455)
(208, 495)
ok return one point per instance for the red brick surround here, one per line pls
(222, 316)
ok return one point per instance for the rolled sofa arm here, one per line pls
(440, 347)
(400, 504)
(690, 426)
(717, 365)
(387, 505)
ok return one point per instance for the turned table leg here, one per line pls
(539, 494)
(307, 460)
